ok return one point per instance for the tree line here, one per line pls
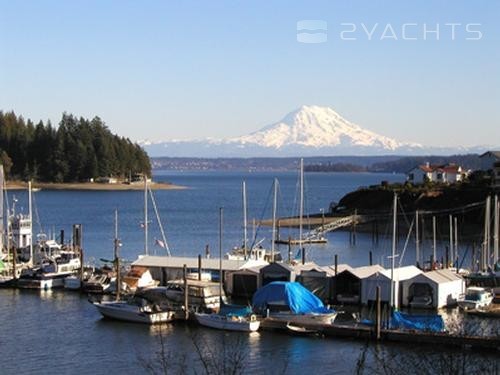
(76, 151)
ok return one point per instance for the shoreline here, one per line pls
(91, 186)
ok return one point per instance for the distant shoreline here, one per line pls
(92, 186)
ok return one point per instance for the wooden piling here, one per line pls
(199, 267)
(371, 258)
(289, 249)
(186, 300)
(336, 263)
(303, 255)
(378, 314)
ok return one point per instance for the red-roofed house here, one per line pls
(449, 173)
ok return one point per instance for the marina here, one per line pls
(319, 272)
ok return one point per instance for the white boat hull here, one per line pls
(131, 313)
(46, 282)
(227, 323)
(304, 319)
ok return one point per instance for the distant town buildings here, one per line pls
(448, 174)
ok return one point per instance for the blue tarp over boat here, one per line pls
(432, 323)
(299, 299)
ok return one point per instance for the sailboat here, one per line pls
(149, 306)
(229, 318)
(311, 237)
(256, 251)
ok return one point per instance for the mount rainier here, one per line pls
(307, 131)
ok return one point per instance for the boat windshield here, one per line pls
(473, 296)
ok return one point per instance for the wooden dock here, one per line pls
(388, 335)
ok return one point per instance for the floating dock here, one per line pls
(389, 335)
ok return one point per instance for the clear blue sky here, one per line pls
(171, 69)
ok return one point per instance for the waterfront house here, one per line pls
(434, 289)
(448, 174)
(347, 285)
(488, 160)
(277, 272)
(383, 279)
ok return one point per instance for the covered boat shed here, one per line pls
(277, 272)
(315, 278)
(165, 268)
(383, 279)
(244, 282)
(347, 285)
(440, 288)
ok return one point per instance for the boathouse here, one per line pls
(165, 268)
(434, 289)
(383, 279)
(277, 272)
(244, 283)
(347, 285)
(315, 278)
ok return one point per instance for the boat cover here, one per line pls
(235, 310)
(299, 299)
(432, 323)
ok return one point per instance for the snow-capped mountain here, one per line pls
(307, 131)
(317, 127)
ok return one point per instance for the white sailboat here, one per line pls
(231, 322)
(311, 237)
(256, 251)
(149, 306)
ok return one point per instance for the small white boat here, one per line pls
(228, 322)
(149, 306)
(303, 319)
(130, 312)
(299, 330)
(474, 298)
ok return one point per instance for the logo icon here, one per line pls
(312, 31)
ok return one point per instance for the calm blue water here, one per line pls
(61, 333)
(190, 216)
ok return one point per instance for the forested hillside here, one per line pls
(76, 150)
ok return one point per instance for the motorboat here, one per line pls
(148, 307)
(256, 252)
(229, 322)
(52, 273)
(202, 295)
(98, 283)
(290, 302)
(475, 297)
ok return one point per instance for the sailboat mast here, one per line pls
(221, 213)
(117, 258)
(301, 204)
(245, 235)
(434, 244)
(451, 251)
(496, 229)
(30, 205)
(417, 239)
(275, 199)
(486, 244)
(456, 243)
(393, 255)
(146, 250)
